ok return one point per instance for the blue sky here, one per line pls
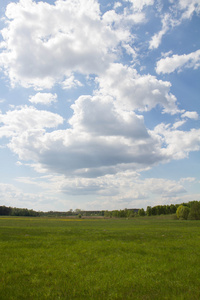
(99, 103)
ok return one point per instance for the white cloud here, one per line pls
(106, 142)
(26, 119)
(135, 92)
(99, 116)
(43, 98)
(166, 54)
(177, 62)
(106, 135)
(138, 5)
(44, 43)
(125, 189)
(103, 138)
(117, 191)
(46, 197)
(189, 7)
(124, 185)
(71, 82)
(163, 187)
(117, 4)
(178, 144)
(178, 12)
(187, 179)
(178, 124)
(191, 115)
(157, 38)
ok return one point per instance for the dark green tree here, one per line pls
(141, 212)
(149, 211)
(195, 211)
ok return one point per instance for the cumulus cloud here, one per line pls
(44, 43)
(100, 117)
(105, 134)
(43, 98)
(177, 62)
(106, 141)
(26, 118)
(178, 143)
(135, 92)
(102, 139)
(67, 152)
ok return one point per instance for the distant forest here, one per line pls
(190, 209)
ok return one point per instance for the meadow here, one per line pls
(138, 258)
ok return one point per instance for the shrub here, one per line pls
(182, 212)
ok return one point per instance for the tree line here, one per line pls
(190, 210)
(13, 211)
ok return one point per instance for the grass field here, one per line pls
(139, 258)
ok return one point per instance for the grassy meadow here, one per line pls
(139, 258)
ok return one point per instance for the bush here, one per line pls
(182, 212)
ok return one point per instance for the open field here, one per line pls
(139, 258)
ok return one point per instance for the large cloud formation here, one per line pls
(47, 45)
(56, 40)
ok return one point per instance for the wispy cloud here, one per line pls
(178, 62)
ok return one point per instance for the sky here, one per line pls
(99, 103)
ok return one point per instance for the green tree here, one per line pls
(149, 211)
(130, 213)
(173, 209)
(182, 212)
(195, 211)
(141, 212)
(107, 214)
(154, 210)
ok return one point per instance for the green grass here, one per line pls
(140, 258)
